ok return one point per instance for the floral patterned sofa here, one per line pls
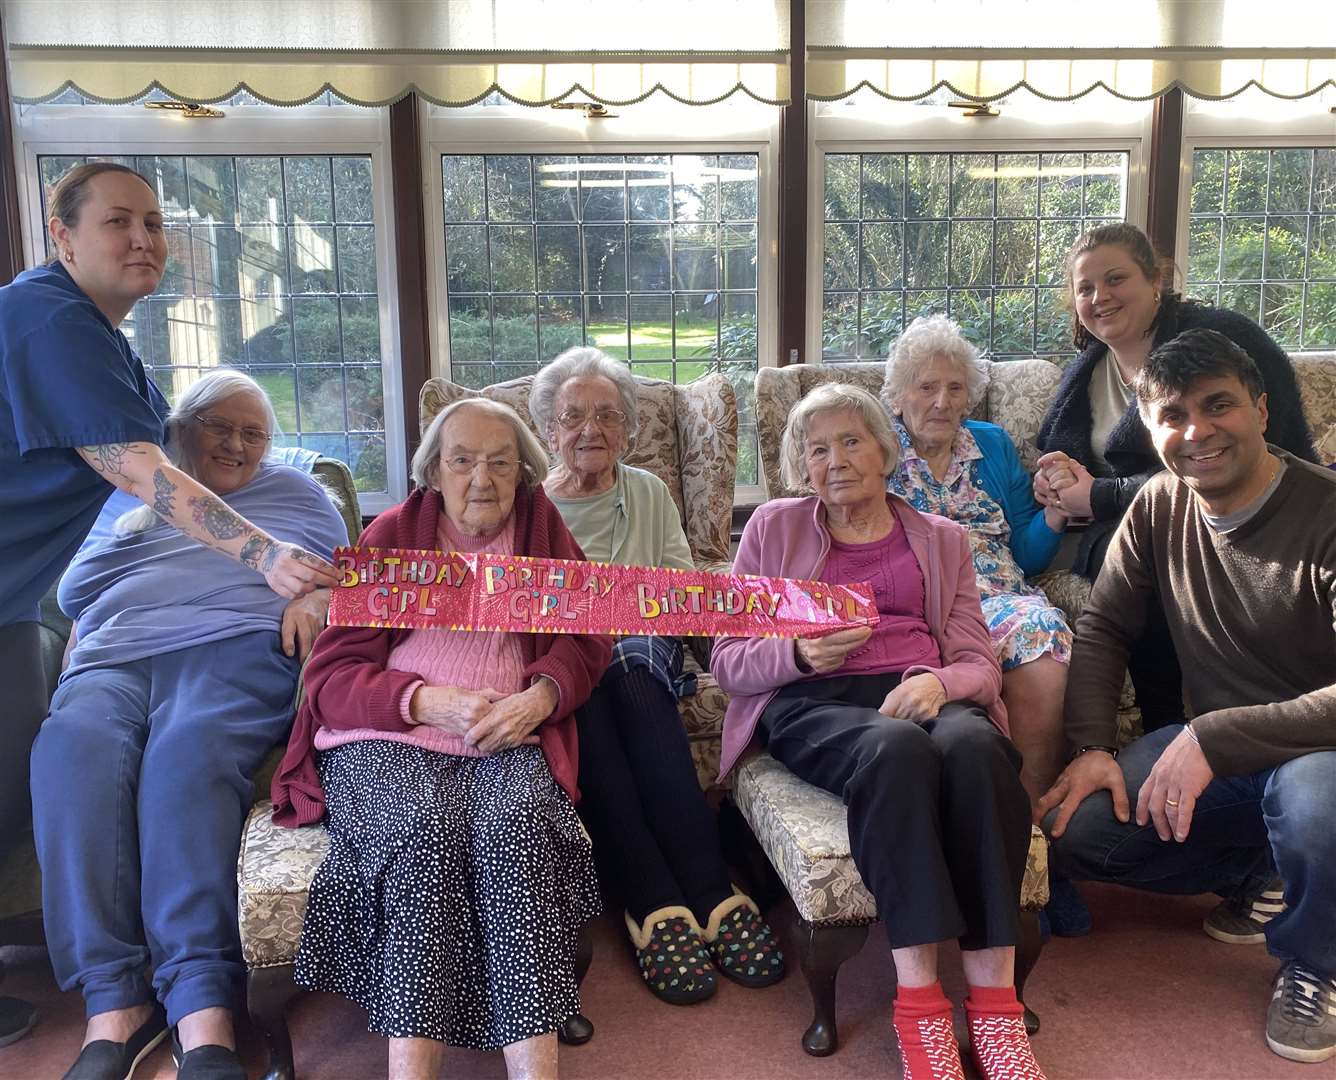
(802, 829)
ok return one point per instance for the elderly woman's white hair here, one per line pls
(926, 337)
(572, 364)
(832, 397)
(199, 397)
(426, 466)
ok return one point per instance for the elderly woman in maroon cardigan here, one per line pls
(458, 877)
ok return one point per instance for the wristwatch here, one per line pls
(1111, 750)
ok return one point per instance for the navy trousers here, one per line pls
(141, 779)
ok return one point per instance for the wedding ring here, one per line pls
(1170, 802)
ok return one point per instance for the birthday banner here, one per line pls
(450, 590)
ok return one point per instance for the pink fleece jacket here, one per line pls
(788, 538)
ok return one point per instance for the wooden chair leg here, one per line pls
(269, 992)
(1027, 955)
(578, 1030)
(822, 949)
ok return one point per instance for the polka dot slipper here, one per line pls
(672, 958)
(742, 944)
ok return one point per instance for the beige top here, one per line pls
(1109, 399)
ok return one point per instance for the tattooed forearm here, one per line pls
(259, 553)
(164, 495)
(110, 459)
(215, 517)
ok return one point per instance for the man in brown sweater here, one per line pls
(1237, 542)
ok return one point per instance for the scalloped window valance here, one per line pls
(373, 52)
(985, 49)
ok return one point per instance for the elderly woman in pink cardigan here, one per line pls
(903, 720)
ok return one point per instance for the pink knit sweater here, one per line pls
(901, 639)
(467, 661)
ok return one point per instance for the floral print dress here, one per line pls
(1022, 623)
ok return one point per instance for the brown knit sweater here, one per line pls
(1252, 613)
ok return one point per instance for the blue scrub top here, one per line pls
(70, 379)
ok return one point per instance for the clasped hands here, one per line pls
(485, 719)
(1062, 488)
(1166, 800)
(918, 698)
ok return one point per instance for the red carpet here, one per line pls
(1147, 995)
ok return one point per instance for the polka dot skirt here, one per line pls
(453, 894)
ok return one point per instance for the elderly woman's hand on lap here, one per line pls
(918, 698)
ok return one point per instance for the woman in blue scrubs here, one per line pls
(78, 417)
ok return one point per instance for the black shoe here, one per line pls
(107, 1060)
(1067, 913)
(16, 1019)
(1241, 919)
(210, 1062)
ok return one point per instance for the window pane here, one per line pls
(308, 184)
(1263, 224)
(979, 236)
(260, 278)
(509, 188)
(556, 188)
(650, 257)
(464, 187)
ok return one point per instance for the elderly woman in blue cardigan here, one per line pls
(969, 471)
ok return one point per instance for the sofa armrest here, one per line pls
(707, 447)
(777, 392)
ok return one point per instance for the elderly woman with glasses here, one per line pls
(904, 721)
(655, 837)
(969, 471)
(458, 877)
(181, 673)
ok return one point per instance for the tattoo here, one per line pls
(215, 517)
(109, 459)
(164, 495)
(259, 553)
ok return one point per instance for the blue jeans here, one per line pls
(141, 778)
(1242, 827)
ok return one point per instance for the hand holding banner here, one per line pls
(399, 588)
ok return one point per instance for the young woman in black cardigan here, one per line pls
(1099, 457)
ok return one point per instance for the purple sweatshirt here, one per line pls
(788, 538)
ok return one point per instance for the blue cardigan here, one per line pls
(1033, 543)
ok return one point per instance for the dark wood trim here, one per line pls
(11, 229)
(1166, 152)
(793, 200)
(410, 255)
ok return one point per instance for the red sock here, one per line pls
(997, 1034)
(923, 1026)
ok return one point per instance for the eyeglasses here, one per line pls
(221, 429)
(499, 467)
(574, 419)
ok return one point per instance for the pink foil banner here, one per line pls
(436, 590)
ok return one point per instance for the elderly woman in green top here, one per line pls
(654, 837)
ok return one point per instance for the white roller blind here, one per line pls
(1060, 49)
(453, 52)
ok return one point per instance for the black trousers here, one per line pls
(1152, 662)
(939, 823)
(24, 682)
(655, 839)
